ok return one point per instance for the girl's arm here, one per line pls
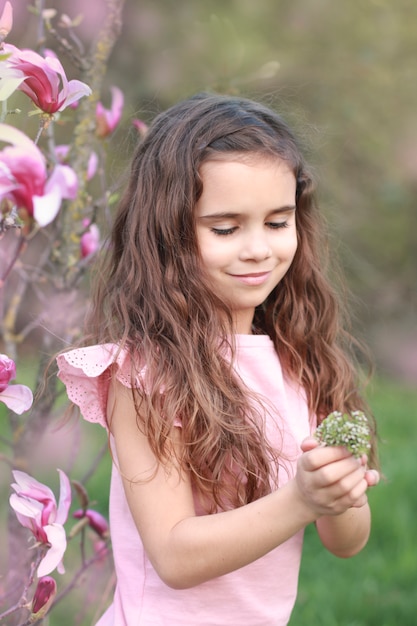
(344, 535)
(186, 549)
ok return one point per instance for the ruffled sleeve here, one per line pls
(86, 373)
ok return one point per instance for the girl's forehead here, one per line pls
(256, 159)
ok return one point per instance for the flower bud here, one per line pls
(96, 521)
(43, 598)
(90, 240)
(7, 371)
(108, 119)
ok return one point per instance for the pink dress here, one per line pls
(260, 594)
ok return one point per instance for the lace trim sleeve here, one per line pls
(86, 374)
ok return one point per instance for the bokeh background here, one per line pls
(344, 74)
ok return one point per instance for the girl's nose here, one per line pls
(255, 248)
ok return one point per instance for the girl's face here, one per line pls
(246, 230)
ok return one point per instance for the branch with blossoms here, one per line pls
(36, 509)
(55, 203)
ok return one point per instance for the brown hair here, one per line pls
(152, 298)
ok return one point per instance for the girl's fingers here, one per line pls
(309, 444)
(328, 465)
(335, 499)
(372, 477)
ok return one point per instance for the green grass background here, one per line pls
(378, 587)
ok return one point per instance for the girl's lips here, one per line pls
(252, 279)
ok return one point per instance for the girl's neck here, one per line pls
(243, 324)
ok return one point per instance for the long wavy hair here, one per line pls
(152, 298)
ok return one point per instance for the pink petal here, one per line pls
(31, 487)
(18, 398)
(48, 71)
(25, 165)
(46, 207)
(63, 183)
(116, 105)
(53, 558)
(61, 152)
(10, 134)
(92, 165)
(10, 80)
(64, 498)
(39, 89)
(90, 241)
(29, 513)
(74, 90)
(7, 371)
(65, 179)
(7, 188)
(29, 509)
(107, 120)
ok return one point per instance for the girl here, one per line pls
(217, 348)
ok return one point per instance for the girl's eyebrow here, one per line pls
(231, 214)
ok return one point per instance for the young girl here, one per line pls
(217, 348)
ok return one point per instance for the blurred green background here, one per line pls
(344, 75)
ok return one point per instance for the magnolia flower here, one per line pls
(106, 119)
(18, 398)
(43, 598)
(90, 240)
(351, 431)
(96, 521)
(23, 177)
(35, 507)
(7, 371)
(43, 79)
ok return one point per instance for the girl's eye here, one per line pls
(276, 225)
(223, 231)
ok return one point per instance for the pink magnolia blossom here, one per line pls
(44, 79)
(96, 521)
(7, 371)
(43, 598)
(90, 240)
(18, 398)
(108, 119)
(36, 508)
(24, 178)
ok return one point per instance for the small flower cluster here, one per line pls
(349, 430)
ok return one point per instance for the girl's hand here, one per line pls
(330, 480)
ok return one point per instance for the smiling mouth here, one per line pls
(255, 278)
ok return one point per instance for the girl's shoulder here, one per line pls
(87, 372)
